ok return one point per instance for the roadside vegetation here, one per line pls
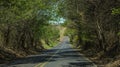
(25, 27)
(93, 26)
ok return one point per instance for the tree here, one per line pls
(24, 22)
(94, 22)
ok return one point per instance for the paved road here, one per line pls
(62, 55)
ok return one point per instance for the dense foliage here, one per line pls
(23, 23)
(96, 22)
(92, 25)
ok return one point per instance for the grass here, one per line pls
(51, 44)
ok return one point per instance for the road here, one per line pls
(63, 55)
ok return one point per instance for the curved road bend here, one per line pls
(62, 55)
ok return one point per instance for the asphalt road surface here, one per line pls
(63, 55)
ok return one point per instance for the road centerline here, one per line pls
(43, 64)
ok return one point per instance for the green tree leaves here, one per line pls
(23, 23)
(115, 11)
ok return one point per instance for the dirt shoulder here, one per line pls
(101, 60)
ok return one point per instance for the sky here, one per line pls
(60, 20)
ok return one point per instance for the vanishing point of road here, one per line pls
(63, 55)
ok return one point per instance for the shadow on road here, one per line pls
(63, 52)
(79, 64)
(47, 54)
